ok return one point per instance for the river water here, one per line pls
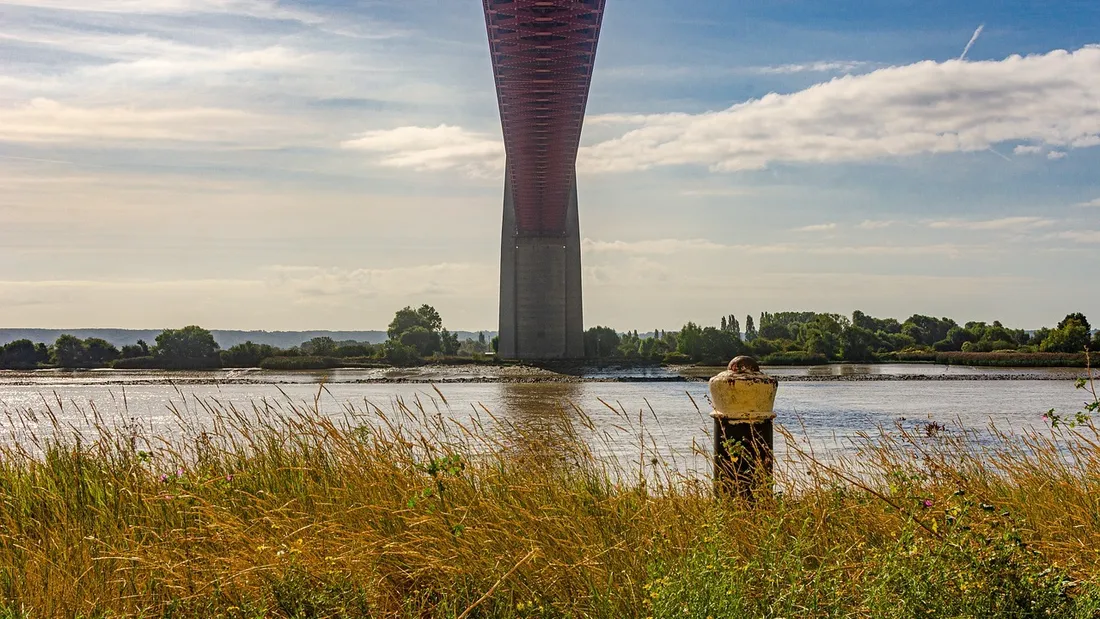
(826, 414)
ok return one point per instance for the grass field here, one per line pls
(277, 512)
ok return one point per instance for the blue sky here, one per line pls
(293, 165)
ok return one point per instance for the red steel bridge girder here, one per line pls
(543, 53)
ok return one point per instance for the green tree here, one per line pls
(1071, 335)
(407, 318)
(886, 325)
(420, 339)
(717, 346)
(69, 352)
(247, 355)
(822, 343)
(733, 326)
(1076, 317)
(856, 344)
(690, 341)
(399, 354)
(132, 351)
(449, 342)
(601, 342)
(420, 329)
(19, 355)
(750, 329)
(353, 349)
(191, 347)
(927, 330)
(100, 352)
(323, 346)
(629, 345)
(954, 340)
(42, 353)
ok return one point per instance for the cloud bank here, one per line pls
(1037, 102)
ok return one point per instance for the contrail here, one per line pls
(36, 160)
(998, 153)
(977, 33)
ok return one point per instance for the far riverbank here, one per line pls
(512, 374)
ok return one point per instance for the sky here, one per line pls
(318, 164)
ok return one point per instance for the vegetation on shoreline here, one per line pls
(809, 338)
(280, 512)
(417, 336)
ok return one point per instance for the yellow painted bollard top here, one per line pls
(743, 393)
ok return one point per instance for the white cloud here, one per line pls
(667, 247)
(1079, 236)
(1004, 223)
(331, 298)
(1056, 154)
(816, 228)
(827, 66)
(434, 148)
(266, 9)
(630, 119)
(316, 284)
(927, 107)
(651, 247)
(1089, 203)
(874, 224)
(1027, 150)
(47, 121)
(725, 192)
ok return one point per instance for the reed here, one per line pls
(279, 511)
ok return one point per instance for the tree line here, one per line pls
(416, 335)
(811, 337)
(413, 336)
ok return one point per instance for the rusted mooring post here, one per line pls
(744, 399)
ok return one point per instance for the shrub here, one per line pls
(299, 363)
(794, 357)
(677, 358)
(1012, 359)
(907, 356)
(138, 363)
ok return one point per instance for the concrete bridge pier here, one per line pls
(540, 288)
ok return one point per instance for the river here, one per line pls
(817, 405)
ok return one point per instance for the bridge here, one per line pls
(543, 52)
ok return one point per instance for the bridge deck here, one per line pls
(543, 53)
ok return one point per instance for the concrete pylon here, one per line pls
(540, 288)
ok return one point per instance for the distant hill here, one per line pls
(224, 338)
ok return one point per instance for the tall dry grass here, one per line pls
(279, 511)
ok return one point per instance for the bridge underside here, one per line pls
(543, 53)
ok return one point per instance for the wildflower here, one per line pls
(228, 478)
(179, 472)
(163, 478)
(927, 503)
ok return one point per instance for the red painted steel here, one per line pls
(543, 52)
